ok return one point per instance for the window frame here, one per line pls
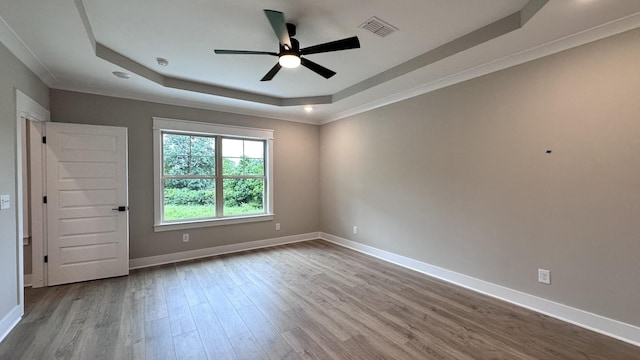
(186, 127)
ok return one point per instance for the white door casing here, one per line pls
(37, 210)
(27, 109)
(86, 175)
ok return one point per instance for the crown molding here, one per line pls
(14, 43)
(584, 37)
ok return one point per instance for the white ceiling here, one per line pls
(51, 38)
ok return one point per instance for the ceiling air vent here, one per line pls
(378, 27)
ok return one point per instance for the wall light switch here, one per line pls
(5, 202)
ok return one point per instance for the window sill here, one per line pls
(211, 222)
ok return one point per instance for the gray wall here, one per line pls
(13, 75)
(459, 177)
(296, 170)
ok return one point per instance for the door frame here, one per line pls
(28, 109)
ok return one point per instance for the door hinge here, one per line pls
(46, 259)
(44, 199)
(44, 139)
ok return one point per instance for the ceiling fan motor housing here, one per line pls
(291, 29)
(295, 48)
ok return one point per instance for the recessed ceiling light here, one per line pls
(308, 108)
(121, 75)
(162, 61)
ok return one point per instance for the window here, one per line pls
(208, 174)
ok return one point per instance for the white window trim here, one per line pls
(174, 125)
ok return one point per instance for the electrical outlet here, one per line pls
(355, 229)
(5, 202)
(277, 226)
(185, 237)
(544, 276)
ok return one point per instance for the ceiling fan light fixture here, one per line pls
(289, 61)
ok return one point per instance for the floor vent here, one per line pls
(378, 27)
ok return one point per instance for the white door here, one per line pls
(87, 202)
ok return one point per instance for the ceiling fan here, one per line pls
(290, 54)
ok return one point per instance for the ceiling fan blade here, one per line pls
(317, 68)
(244, 52)
(274, 70)
(276, 19)
(344, 44)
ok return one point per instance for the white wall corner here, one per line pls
(218, 250)
(9, 321)
(594, 322)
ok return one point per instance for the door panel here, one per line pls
(86, 180)
(87, 170)
(76, 198)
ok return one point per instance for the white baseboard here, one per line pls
(218, 250)
(27, 280)
(10, 321)
(613, 328)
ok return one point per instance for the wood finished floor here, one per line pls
(311, 300)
